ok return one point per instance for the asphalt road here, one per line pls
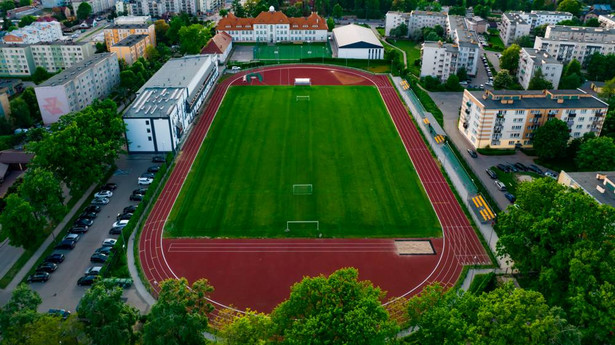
(62, 291)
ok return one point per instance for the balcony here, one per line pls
(467, 111)
(465, 125)
(497, 129)
(572, 115)
(500, 115)
(599, 114)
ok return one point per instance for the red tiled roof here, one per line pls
(217, 44)
(313, 22)
(231, 22)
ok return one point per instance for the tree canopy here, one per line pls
(509, 59)
(193, 38)
(18, 312)
(84, 10)
(44, 193)
(400, 31)
(551, 139)
(572, 6)
(20, 223)
(538, 82)
(26, 20)
(503, 80)
(596, 154)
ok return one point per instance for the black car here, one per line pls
(109, 186)
(140, 191)
(98, 257)
(491, 173)
(56, 258)
(148, 175)
(88, 215)
(104, 250)
(129, 209)
(536, 169)
(78, 230)
(115, 231)
(66, 244)
(124, 216)
(39, 277)
(86, 280)
(92, 208)
(502, 167)
(510, 197)
(136, 197)
(521, 166)
(158, 159)
(153, 169)
(84, 222)
(47, 267)
(472, 153)
(511, 168)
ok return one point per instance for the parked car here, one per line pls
(56, 258)
(158, 159)
(109, 186)
(93, 270)
(109, 242)
(104, 194)
(63, 313)
(86, 280)
(120, 223)
(78, 230)
(501, 186)
(472, 153)
(145, 181)
(511, 168)
(89, 215)
(136, 197)
(115, 231)
(140, 191)
(38, 277)
(100, 201)
(130, 209)
(72, 237)
(510, 197)
(124, 283)
(124, 216)
(98, 257)
(47, 267)
(521, 166)
(502, 167)
(536, 169)
(84, 222)
(491, 173)
(104, 250)
(551, 174)
(148, 175)
(153, 169)
(66, 244)
(92, 209)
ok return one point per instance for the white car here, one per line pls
(104, 194)
(551, 175)
(145, 180)
(120, 224)
(109, 242)
(100, 201)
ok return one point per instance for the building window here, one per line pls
(147, 122)
(149, 138)
(149, 130)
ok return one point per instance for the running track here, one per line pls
(258, 273)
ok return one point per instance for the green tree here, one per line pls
(29, 97)
(337, 11)
(399, 31)
(172, 33)
(25, 3)
(572, 6)
(573, 67)
(20, 113)
(570, 82)
(510, 58)
(20, 223)
(238, 9)
(452, 83)
(251, 328)
(354, 308)
(592, 22)
(193, 38)
(608, 126)
(26, 20)
(151, 53)
(109, 319)
(7, 5)
(551, 139)
(44, 193)
(330, 23)
(432, 36)
(52, 330)
(83, 11)
(40, 75)
(180, 315)
(503, 80)
(540, 30)
(596, 154)
(462, 73)
(19, 311)
(526, 41)
(129, 80)
(538, 82)
(223, 12)
(101, 47)
(161, 27)
(608, 90)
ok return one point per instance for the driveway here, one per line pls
(61, 291)
(495, 61)
(450, 103)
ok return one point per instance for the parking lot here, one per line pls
(62, 291)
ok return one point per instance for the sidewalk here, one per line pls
(392, 46)
(5, 294)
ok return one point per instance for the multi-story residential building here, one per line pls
(393, 19)
(98, 6)
(122, 7)
(274, 26)
(78, 86)
(607, 21)
(35, 33)
(530, 60)
(131, 48)
(477, 24)
(127, 20)
(415, 20)
(507, 119)
(209, 6)
(517, 24)
(116, 33)
(22, 59)
(167, 104)
(573, 42)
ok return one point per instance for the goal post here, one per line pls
(305, 222)
(303, 81)
(303, 189)
(303, 98)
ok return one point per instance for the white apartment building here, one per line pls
(78, 86)
(573, 42)
(98, 6)
(530, 60)
(22, 59)
(517, 24)
(209, 6)
(507, 119)
(393, 19)
(35, 33)
(439, 59)
(607, 21)
(127, 20)
(274, 26)
(167, 104)
(415, 20)
(466, 42)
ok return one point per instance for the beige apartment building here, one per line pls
(131, 48)
(116, 33)
(505, 119)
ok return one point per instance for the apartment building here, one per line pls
(466, 42)
(131, 48)
(439, 59)
(393, 19)
(274, 26)
(98, 6)
(21, 60)
(209, 6)
(477, 24)
(127, 20)
(607, 21)
(517, 24)
(167, 104)
(34, 33)
(115, 33)
(507, 119)
(415, 20)
(573, 42)
(531, 60)
(78, 86)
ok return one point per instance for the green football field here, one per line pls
(291, 51)
(340, 145)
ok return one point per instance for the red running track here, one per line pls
(258, 273)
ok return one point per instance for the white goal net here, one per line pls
(302, 224)
(302, 189)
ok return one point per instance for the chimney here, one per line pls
(600, 177)
(600, 189)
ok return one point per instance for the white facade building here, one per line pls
(530, 60)
(572, 42)
(167, 104)
(393, 19)
(98, 6)
(22, 59)
(607, 21)
(220, 45)
(78, 86)
(356, 42)
(517, 24)
(415, 20)
(439, 60)
(127, 20)
(274, 26)
(35, 33)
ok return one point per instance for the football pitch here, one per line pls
(332, 161)
(291, 51)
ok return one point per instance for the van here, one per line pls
(500, 185)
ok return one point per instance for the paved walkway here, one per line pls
(382, 39)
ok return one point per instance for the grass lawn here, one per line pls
(291, 51)
(510, 179)
(342, 142)
(413, 52)
(496, 43)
